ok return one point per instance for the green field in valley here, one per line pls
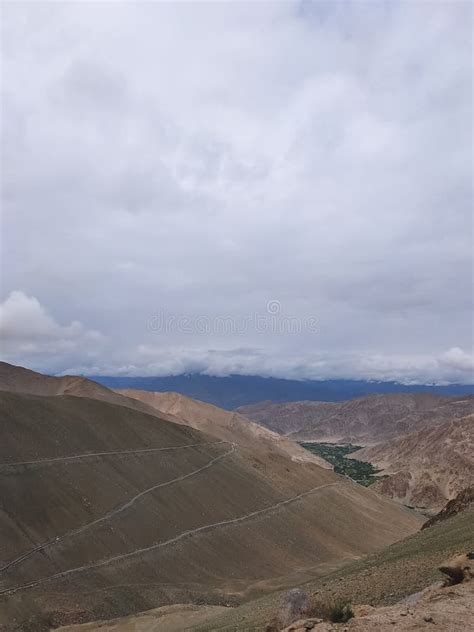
(337, 455)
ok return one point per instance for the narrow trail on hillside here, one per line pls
(88, 455)
(113, 512)
(170, 541)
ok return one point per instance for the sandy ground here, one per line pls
(175, 618)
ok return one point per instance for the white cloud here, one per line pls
(26, 329)
(459, 362)
(403, 368)
(204, 159)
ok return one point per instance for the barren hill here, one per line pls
(398, 574)
(221, 423)
(383, 578)
(365, 420)
(171, 406)
(17, 379)
(427, 467)
(108, 511)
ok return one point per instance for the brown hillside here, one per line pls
(171, 406)
(428, 467)
(108, 511)
(365, 420)
(17, 379)
(221, 423)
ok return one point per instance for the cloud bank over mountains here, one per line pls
(32, 336)
(200, 162)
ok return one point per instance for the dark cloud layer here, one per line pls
(181, 162)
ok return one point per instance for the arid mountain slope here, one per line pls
(428, 467)
(171, 406)
(290, 417)
(221, 423)
(461, 502)
(17, 379)
(449, 609)
(382, 578)
(396, 573)
(365, 420)
(108, 511)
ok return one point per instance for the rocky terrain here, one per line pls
(363, 421)
(108, 511)
(461, 502)
(447, 608)
(427, 467)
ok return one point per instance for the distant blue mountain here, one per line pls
(239, 390)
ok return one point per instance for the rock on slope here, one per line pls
(428, 467)
(449, 609)
(365, 420)
(461, 502)
(108, 511)
(221, 423)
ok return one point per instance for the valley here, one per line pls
(415, 449)
(360, 471)
(143, 504)
(143, 501)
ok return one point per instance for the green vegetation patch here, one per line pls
(359, 471)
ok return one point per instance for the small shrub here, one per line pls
(334, 611)
(340, 613)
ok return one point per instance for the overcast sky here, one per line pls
(267, 188)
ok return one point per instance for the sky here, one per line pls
(271, 188)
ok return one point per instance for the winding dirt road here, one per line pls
(88, 455)
(115, 511)
(170, 541)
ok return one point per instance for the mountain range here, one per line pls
(421, 443)
(112, 505)
(240, 390)
(426, 467)
(364, 420)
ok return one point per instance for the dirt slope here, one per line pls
(17, 379)
(397, 573)
(365, 420)
(383, 578)
(108, 511)
(175, 618)
(171, 406)
(428, 467)
(450, 608)
(221, 423)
